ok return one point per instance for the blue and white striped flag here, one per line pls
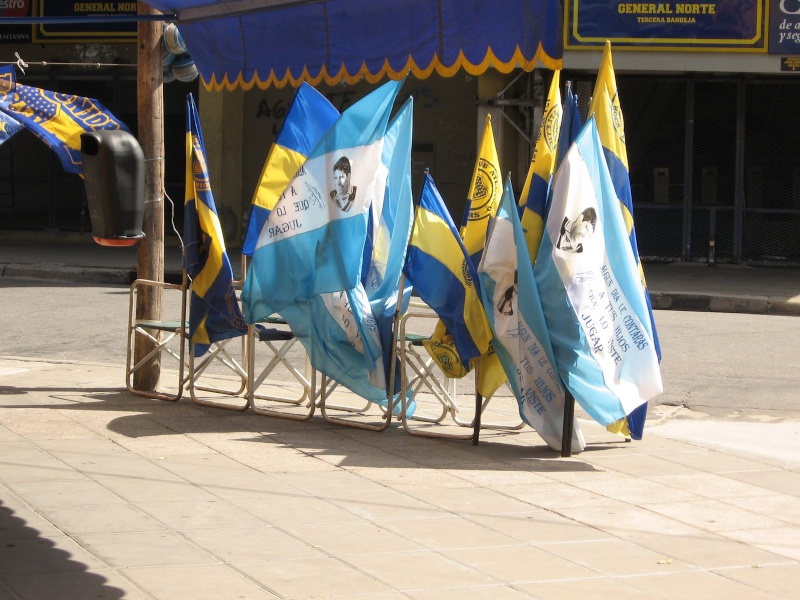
(591, 291)
(520, 339)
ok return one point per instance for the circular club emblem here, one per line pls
(486, 188)
(465, 272)
(551, 126)
(446, 355)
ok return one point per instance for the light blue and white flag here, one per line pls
(592, 294)
(387, 240)
(308, 260)
(512, 304)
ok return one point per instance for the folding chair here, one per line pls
(280, 387)
(168, 337)
(431, 390)
(219, 377)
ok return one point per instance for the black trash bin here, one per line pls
(113, 173)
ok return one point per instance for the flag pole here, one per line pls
(476, 422)
(569, 418)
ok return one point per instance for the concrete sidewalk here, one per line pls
(107, 494)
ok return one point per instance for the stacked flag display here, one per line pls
(521, 341)
(611, 129)
(308, 262)
(592, 296)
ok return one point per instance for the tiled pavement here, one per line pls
(104, 494)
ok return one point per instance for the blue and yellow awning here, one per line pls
(278, 42)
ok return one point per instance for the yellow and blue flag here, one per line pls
(308, 118)
(533, 199)
(55, 118)
(592, 295)
(607, 111)
(214, 313)
(8, 127)
(439, 268)
(485, 192)
(307, 264)
(520, 336)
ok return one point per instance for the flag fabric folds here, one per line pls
(533, 199)
(214, 313)
(520, 335)
(444, 277)
(485, 191)
(307, 264)
(55, 118)
(592, 296)
(8, 127)
(307, 120)
(607, 111)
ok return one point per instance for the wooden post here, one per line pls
(151, 138)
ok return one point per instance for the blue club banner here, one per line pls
(717, 24)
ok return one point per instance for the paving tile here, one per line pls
(644, 491)
(708, 550)
(520, 563)
(300, 508)
(71, 492)
(779, 506)
(713, 461)
(352, 538)
(145, 490)
(206, 582)
(410, 479)
(710, 485)
(776, 480)
(616, 557)
(71, 585)
(640, 465)
(338, 484)
(22, 522)
(495, 592)
(555, 496)
(38, 554)
(471, 500)
(784, 541)
(713, 515)
(105, 518)
(238, 545)
(539, 527)
(781, 580)
(199, 515)
(20, 461)
(321, 577)
(626, 520)
(147, 548)
(418, 570)
(596, 588)
(448, 532)
(381, 505)
(699, 585)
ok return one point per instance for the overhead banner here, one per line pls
(716, 25)
(84, 31)
(784, 29)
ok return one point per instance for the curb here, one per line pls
(757, 305)
(71, 274)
